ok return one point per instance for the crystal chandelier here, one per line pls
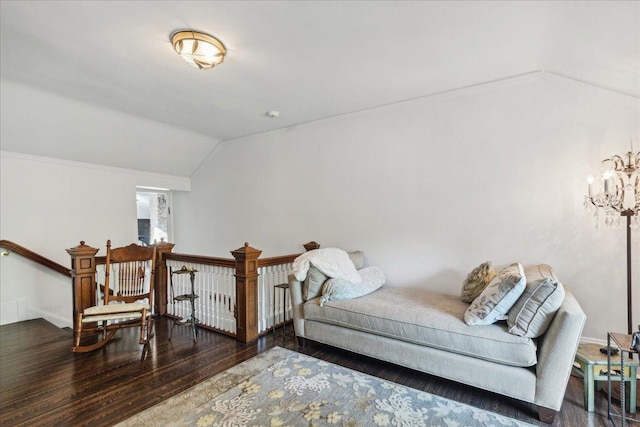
(616, 192)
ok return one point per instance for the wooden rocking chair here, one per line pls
(127, 298)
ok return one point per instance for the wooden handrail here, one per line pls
(201, 259)
(285, 259)
(245, 267)
(225, 262)
(277, 260)
(29, 254)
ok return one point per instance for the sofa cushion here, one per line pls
(335, 289)
(534, 310)
(476, 281)
(425, 318)
(538, 272)
(333, 262)
(498, 297)
(312, 285)
(357, 258)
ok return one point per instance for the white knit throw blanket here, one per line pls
(333, 262)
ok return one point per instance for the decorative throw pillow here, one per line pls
(357, 257)
(312, 285)
(335, 289)
(532, 313)
(476, 281)
(539, 272)
(333, 262)
(498, 297)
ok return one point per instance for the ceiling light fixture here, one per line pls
(198, 49)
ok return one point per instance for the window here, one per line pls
(154, 215)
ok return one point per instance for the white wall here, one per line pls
(46, 124)
(427, 188)
(49, 205)
(432, 187)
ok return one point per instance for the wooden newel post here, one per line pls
(311, 246)
(161, 298)
(246, 311)
(83, 278)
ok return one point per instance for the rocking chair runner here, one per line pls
(127, 297)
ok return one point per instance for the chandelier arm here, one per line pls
(594, 203)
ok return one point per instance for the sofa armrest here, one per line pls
(556, 352)
(295, 290)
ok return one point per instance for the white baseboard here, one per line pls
(13, 311)
(19, 310)
(59, 321)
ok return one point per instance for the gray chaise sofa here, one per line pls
(425, 331)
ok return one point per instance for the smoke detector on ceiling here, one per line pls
(273, 114)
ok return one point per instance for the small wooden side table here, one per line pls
(592, 367)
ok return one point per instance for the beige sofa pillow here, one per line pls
(532, 313)
(312, 285)
(357, 258)
(539, 272)
(476, 281)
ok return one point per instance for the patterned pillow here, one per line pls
(312, 285)
(532, 313)
(498, 297)
(335, 289)
(476, 281)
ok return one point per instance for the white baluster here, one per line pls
(223, 290)
(262, 278)
(206, 297)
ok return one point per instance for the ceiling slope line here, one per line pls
(210, 155)
(181, 183)
(436, 96)
(620, 96)
(447, 94)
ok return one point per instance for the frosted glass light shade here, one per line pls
(198, 49)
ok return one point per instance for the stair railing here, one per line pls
(235, 295)
(10, 247)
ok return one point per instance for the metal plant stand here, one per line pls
(191, 297)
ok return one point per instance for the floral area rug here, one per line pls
(285, 388)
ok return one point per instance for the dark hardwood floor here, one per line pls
(42, 383)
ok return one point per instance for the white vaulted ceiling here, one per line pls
(307, 59)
